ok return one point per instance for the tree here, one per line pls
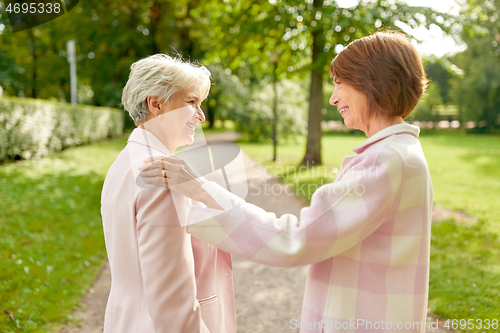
(478, 92)
(306, 34)
(227, 97)
(439, 72)
(426, 108)
(255, 119)
(11, 78)
(110, 36)
(236, 34)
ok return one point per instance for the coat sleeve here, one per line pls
(341, 214)
(167, 265)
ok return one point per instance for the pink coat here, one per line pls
(366, 236)
(163, 280)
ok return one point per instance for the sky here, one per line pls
(434, 40)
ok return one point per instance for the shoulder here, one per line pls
(402, 152)
(385, 154)
(391, 156)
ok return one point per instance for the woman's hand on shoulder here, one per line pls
(174, 173)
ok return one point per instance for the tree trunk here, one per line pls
(186, 42)
(275, 112)
(210, 114)
(31, 43)
(155, 21)
(313, 146)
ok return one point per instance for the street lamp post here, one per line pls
(72, 68)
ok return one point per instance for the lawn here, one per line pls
(51, 238)
(51, 243)
(465, 258)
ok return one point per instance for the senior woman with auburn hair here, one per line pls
(162, 279)
(367, 234)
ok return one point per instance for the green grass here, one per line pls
(465, 259)
(51, 238)
(465, 272)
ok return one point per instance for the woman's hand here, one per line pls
(173, 172)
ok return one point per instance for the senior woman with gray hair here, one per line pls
(163, 280)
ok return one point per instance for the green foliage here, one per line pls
(110, 36)
(10, 73)
(478, 92)
(51, 237)
(254, 39)
(426, 108)
(228, 95)
(255, 120)
(34, 128)
(244, 34)
(439, 72)
(291, 39)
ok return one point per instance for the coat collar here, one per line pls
(386, 132)
(146, 138)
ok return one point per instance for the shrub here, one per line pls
(255, 121)
(31, 128)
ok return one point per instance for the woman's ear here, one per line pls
(154, 105)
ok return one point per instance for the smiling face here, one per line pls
(184, 114)
(352, 105)
(174, 123)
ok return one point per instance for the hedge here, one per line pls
(31, 128)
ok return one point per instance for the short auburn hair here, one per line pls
(387, 68)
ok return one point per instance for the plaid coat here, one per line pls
(366, 237)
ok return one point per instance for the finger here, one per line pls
(153, 158)
(152, 173)
(173, 160)
(156, 182)
(148, 166)
(160, 164)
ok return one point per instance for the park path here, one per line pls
(267, 298)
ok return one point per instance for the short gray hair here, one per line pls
(161, 75)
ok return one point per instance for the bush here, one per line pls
(34, 128)
(255, 121)
(228, 95)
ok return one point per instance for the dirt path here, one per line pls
(267, 298)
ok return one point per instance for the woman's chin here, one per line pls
(350, 124)
(189, 140)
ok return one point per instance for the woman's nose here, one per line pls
(200, 114)
(334, 99)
